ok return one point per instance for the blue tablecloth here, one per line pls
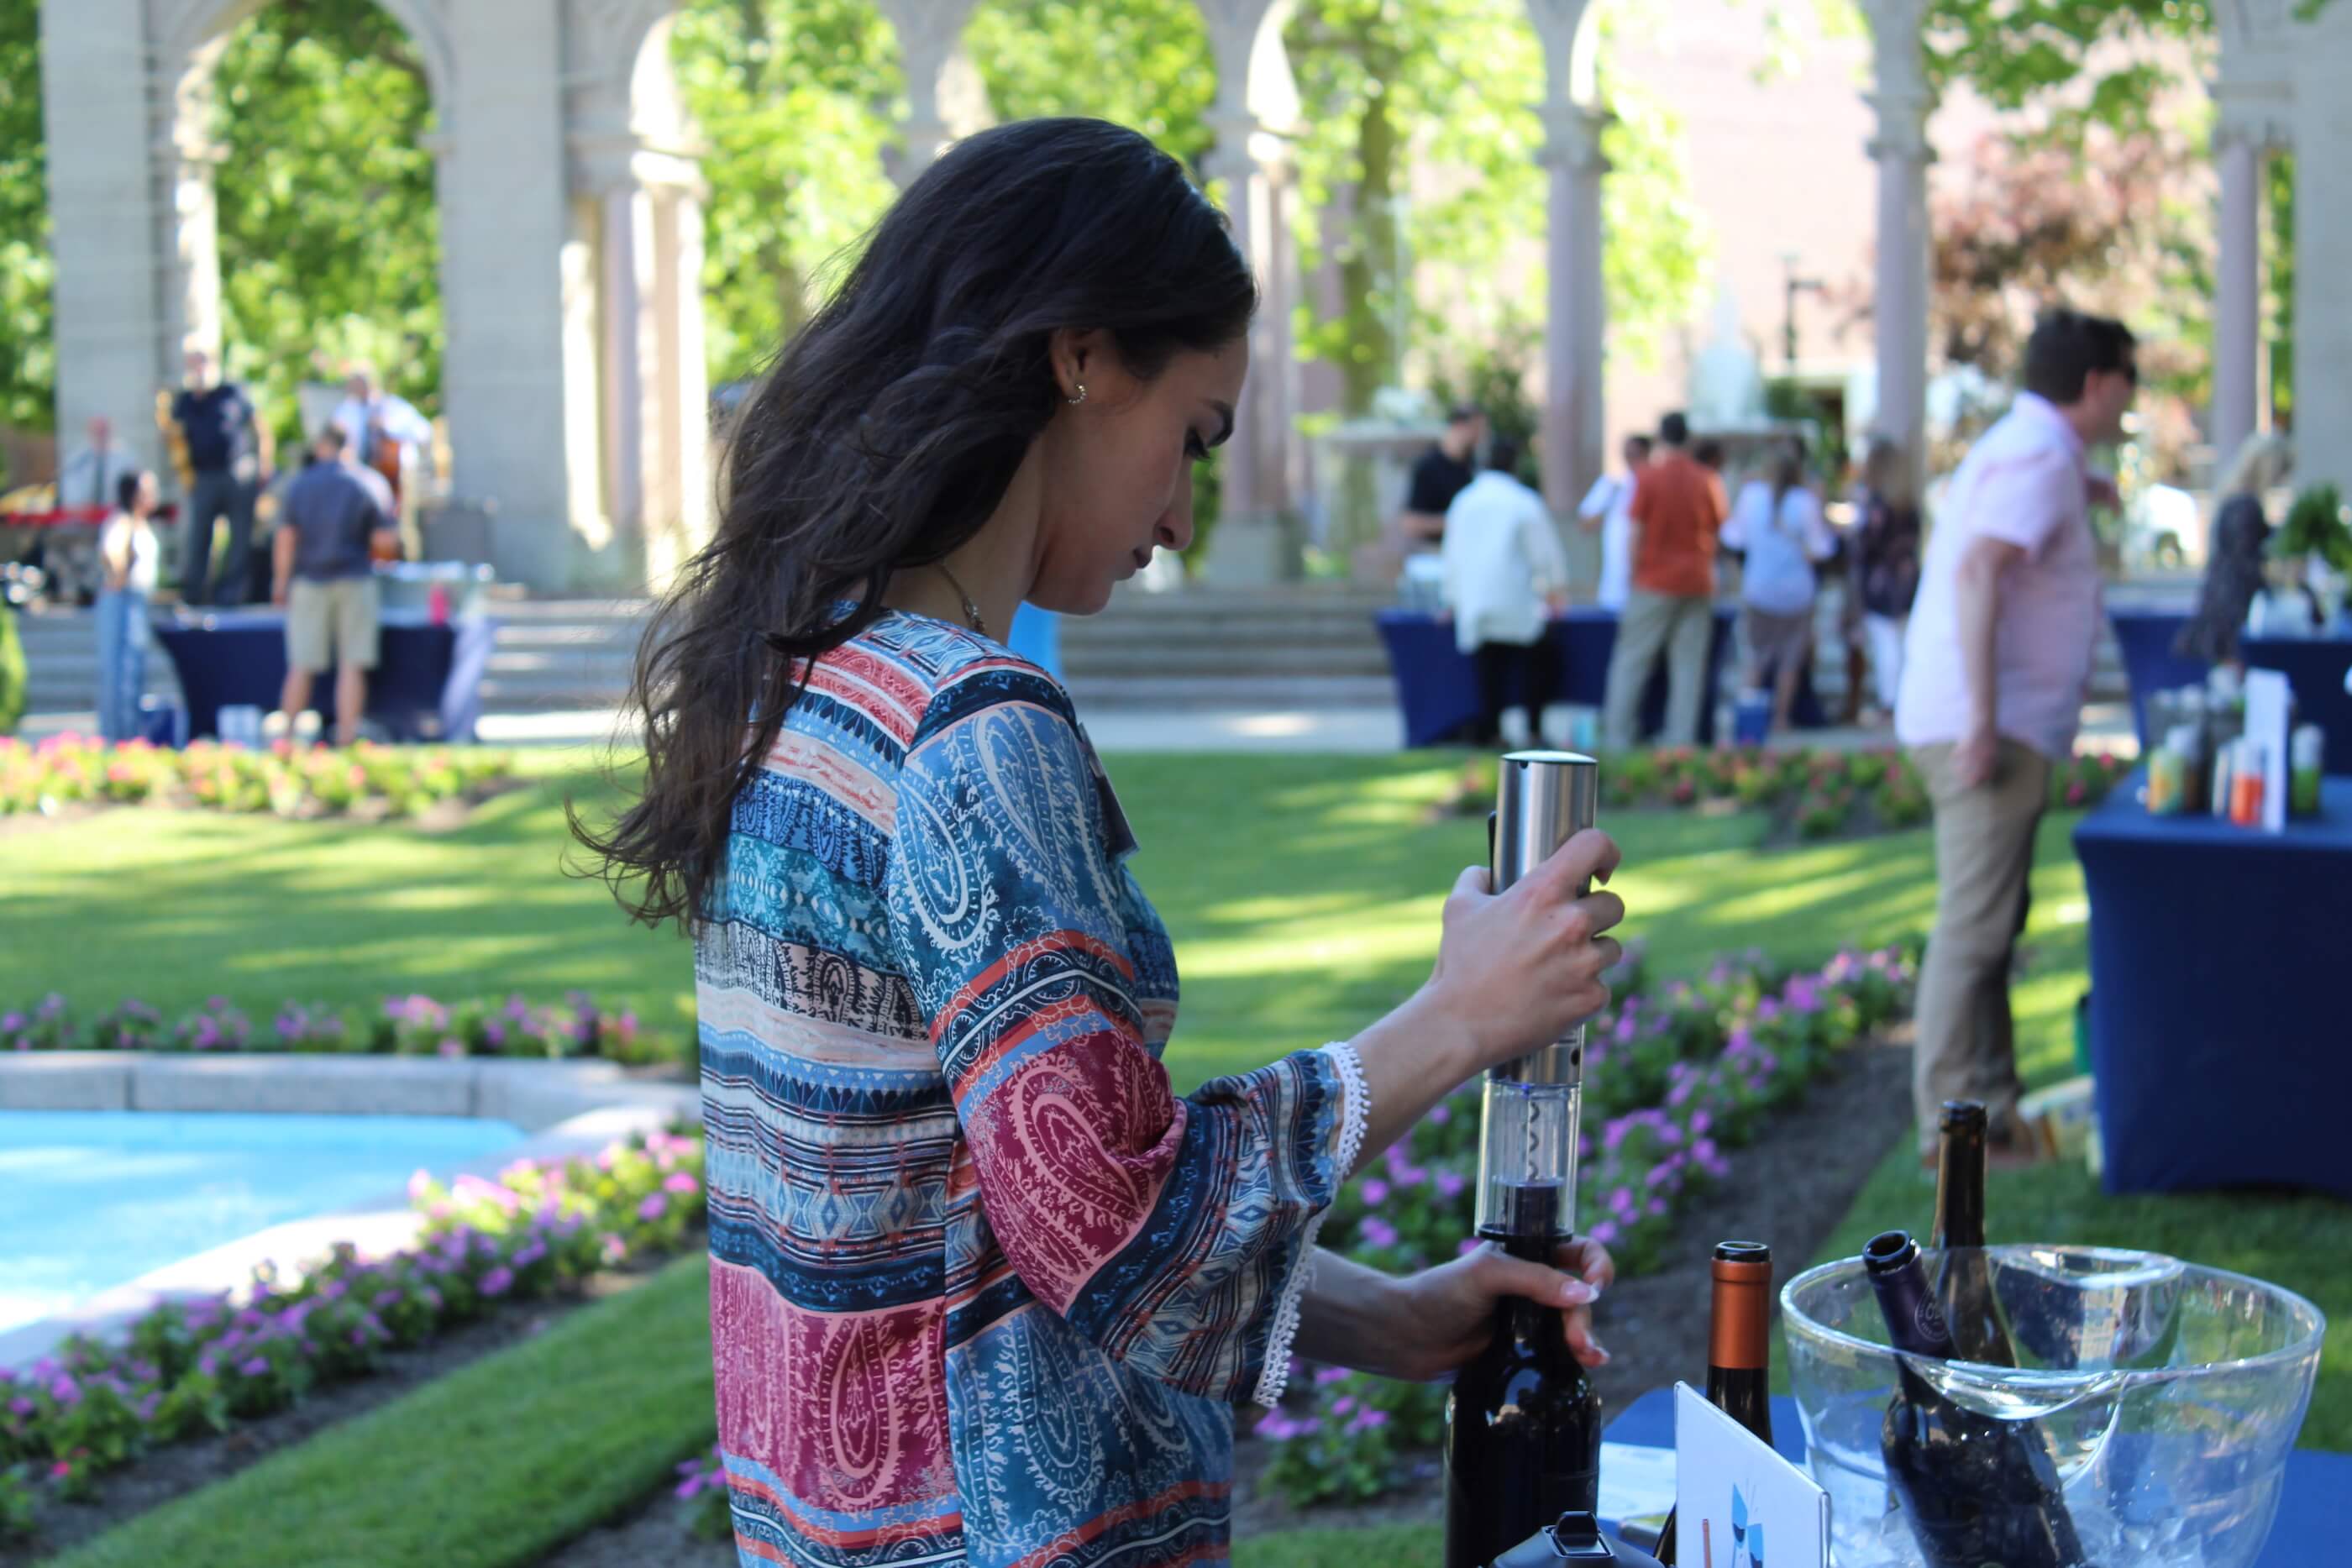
(1437, 684)
(2314, 1504)
(2219, 1005)
(427, 683)
(2314, 666)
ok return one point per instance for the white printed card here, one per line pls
(1739, 1504)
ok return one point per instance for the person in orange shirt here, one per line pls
(1678, 509)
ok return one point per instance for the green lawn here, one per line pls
(1303, 893)
(497, 1463)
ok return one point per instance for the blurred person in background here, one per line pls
(2233, 567)
(1885, 567)
(1777, 523)
(1608, 509)
(1505, 574)
(130, 559)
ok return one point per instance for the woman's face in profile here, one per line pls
(1116, 470)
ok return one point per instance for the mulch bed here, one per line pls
(157, 1477)
(1791, 1188)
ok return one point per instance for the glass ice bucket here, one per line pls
(2169, 1396)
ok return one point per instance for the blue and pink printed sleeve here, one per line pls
(1175, 1233)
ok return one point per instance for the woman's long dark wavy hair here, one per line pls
(885, 436)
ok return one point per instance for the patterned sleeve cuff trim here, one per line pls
(1273, 1376)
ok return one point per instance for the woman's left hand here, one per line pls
(1446, 1315)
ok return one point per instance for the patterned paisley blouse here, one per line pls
(983, 1289)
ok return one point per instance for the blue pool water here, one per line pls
(91, 1199)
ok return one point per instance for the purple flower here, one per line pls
(498, 1282)
(1368, 1420)
(1377, 1232)
(654, 1207)
(1605, 1232)
(66, 1391)
(1326, 1375)
(256, 1367)
(1440, 1115)
(1376, 1191)
(1464, 1248)
(1449, 1184)
(1276, 1427)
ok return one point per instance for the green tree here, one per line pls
(793, 101)
(1141, 63)
(329, 237)
(28, 361)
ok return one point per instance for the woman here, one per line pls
(982, 1288)
(130, 558)
(2233, 568)
(1778, 525)
(1886, 566)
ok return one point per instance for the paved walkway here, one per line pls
(1354, 729)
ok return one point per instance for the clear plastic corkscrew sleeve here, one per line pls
(1527, 1156)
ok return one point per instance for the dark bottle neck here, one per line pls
(1960, 1187)
(1744, 1394)
(1915, 1322)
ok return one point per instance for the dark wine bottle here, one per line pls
(1522, 1420)
(1976, 1489)
(1738, 1347)
(1964, 1287)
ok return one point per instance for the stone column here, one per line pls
(626, 351)
(1262, 465)
(930, 34)
(1903, 101)
(1574, 411)
(685, 383)
(2238, 302)
(2323, 248)
(111, 229)
(508, 244)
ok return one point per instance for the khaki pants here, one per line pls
(1684, 628)
(1984, 864)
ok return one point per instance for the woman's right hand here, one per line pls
(1518, 969)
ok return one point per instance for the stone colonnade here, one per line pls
(570, 214)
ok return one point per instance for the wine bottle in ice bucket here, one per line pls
(1522, 1421)
(1978, 1492)
(1964, 1286)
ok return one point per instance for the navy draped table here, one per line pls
(2315, 1501)
(1437, 684)
(427, 685)
(2314, 666)
(2219, 1012)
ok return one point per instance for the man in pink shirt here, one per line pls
(1993, 671)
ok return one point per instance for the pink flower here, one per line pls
(681, 1182)
(654, 1207)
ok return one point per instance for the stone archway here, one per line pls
(570, 211)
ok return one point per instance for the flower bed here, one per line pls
(1672, 1081)
(1813, 794)
(189, 1368)
(292, 781)
(403, 1026)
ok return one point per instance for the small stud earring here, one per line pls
(1081, 397)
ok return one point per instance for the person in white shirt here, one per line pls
(1994, 667)
(130, 559)
(1506, 574)
(1778, 522)
(379, 427)
(1608, 508)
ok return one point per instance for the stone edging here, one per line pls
(568, 1108)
